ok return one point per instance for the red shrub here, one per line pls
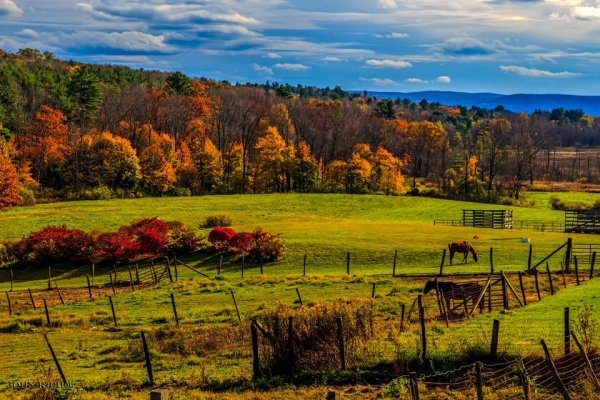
(119, 247)
(219, 237)
(266, 246)
(151, 234)
(240, 243)
(180, 239)
(53, 244)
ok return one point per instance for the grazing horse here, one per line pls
(454, 291)
(464, 248)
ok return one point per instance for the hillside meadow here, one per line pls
(208, 355)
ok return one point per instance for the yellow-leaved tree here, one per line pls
(387, 172)
(273, 162)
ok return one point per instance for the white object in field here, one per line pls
(525, 240)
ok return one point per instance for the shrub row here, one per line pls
(256, 245)
(150, 237)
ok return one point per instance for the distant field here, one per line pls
(324, 227)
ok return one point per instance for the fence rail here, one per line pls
(541, 226)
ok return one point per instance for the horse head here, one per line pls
(473, 252)
(429, 286)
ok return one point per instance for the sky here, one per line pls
(501, 46)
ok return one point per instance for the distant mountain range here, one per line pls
(513, 102)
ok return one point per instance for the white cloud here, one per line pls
(388, 63)
(9, 7)
(397, 35)
(130, 41)
(291, 67)
(537, 73)
(28, 33)
(333, 59)
(416, 80)
(380, 81)
(272, 56)
(387, 4)
(586, 12)
(443, 79)
(262, 69)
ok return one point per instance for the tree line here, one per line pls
(76, 131)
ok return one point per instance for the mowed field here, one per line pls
(209, 354)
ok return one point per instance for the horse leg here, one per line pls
(451, 256)
(465, 255)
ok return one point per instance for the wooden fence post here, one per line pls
(62, 301)
(464, 298)
(137, 275)
(112, 309)
(11, 279)
(559, 383)
(174, 309)
(402, 311)
(220, 264)
(494, 344)
(347, 263)
(522, 288)
(131, 278)
(89, 286)
(444, 308)
(414, 386)
(115, 271)
(524, 378)
(567, 336)
(176, 272)
(423, 332)
(49, 278)
(373, 291)
(9, 305)
(154, 276)
(479, 380)
(491, 260)
(255, 360)
(148, 362)
(60, 371)
(395, 260)
(587, 360)
(537, 284)
(31, 298)
(576, 270)
(168, 267)
(93, 273)
(237, 310)
(592, 264)
(112, 283)
(299, 297)
(505, 304)
(261, 264)
(568, 255)
(529, 257)
(442, 263)
(304, 266)
(550, 279)
(47, 313)
(341, 344)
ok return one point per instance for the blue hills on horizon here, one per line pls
(514, 102)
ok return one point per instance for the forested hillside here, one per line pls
(75, 131)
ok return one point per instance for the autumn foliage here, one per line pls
(150, 237)
(257, 245)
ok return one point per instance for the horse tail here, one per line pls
(473, 252)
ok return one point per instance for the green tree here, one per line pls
(178, 83)
(86, 94)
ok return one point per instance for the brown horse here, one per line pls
(454, 291)
(464, 248)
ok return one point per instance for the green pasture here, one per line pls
(102, 359)
(321, 226)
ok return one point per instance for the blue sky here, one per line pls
(525, 46)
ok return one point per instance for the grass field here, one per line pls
(102, 360)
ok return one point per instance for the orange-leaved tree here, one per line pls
(45, 141)
(9, 180)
